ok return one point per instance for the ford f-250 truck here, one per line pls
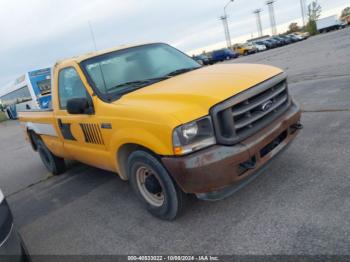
(168, 125)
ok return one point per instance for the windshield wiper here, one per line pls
(133, 85)
(181, 71)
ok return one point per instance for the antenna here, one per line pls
(92, 35)
(272, 16)
(258, 21)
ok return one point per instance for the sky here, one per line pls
(36, 33)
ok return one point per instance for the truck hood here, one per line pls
(190, 96)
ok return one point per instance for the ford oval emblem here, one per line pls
(266, 106)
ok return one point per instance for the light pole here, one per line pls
(225, 24)
(258, 21)
(272, 16)
(303, 11)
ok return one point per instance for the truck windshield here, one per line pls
(124, 71)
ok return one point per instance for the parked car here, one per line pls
(245, 49)
(278, 42)
(270, 43)
(203, 59)
(285, 40)
(265, 43)
(299, 37)
(291, 38)
(223, 54)
(260, 47)
(153, 122)
(12, 247)
(304, 35)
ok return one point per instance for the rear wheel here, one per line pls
(154, 186)
(54, 164)
(10, 114)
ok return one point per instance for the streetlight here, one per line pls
(231, 1)
(226, 28)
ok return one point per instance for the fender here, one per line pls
(160, 145)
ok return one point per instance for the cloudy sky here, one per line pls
(35, 33)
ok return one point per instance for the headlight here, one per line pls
(1, 196)
(193, 136)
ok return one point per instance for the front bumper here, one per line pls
(216, 168)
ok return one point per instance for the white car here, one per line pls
(300, 37)
(261, 47)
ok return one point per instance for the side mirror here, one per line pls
(79, 106)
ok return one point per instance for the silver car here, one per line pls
(12, 247)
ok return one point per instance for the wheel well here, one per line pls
(124, 153)
(32, 139)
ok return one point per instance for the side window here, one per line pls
(70, 86)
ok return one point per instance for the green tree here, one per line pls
(314, 13)
(311, 27)
(314, 10)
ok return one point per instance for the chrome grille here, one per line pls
(247, 113)
(250, 112)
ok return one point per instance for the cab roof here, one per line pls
(83, 57)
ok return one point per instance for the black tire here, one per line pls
(245, 53)
(54, 164)
(9, 114)
(171, 205)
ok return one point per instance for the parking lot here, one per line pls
(300, 205)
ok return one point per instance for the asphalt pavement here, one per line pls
(299, 205)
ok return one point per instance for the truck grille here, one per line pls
(245, 114)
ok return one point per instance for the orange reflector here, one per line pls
(178, 150)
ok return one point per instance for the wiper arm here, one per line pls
(181, 71)
(132, 85)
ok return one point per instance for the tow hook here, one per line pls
(250, 164)
(297, 126)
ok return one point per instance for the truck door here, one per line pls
(81, 133)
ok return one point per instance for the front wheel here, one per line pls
(154, 186)
(54, 164)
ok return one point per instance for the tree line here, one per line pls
(314, 11)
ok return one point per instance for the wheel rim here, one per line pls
(149, 186)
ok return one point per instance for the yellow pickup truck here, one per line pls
(162, 121)
(245, 49)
